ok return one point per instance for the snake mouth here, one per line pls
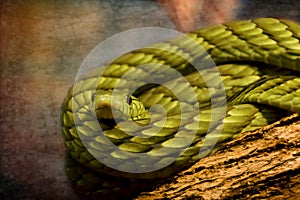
(108, 109)
(104, 112)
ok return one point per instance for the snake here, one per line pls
(118, 143)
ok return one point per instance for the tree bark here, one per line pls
(257, 165)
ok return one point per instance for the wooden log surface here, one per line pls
(264, 164)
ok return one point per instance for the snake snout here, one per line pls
(107, 108)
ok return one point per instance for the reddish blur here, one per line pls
(189, 14)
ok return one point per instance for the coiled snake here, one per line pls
(116, 145)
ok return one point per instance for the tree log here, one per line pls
(256, 165)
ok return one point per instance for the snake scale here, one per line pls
(259, 65)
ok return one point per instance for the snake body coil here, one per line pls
(259, 64)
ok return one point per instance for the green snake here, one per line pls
(258, 62)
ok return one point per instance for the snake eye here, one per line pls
(128, 99)
(93, 97)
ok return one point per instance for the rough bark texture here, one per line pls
(257, 165)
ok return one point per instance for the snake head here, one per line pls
(117, 106)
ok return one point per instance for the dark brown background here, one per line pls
(42, 46)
